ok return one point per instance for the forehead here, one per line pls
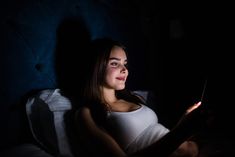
(118, 52)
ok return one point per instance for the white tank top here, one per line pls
(136, 129)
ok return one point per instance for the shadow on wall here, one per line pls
(71, 56)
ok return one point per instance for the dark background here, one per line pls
(173, 48)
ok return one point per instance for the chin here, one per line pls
(120, 88)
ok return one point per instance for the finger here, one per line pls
(190, 109)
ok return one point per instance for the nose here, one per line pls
(123, 69)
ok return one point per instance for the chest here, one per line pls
(123, 106)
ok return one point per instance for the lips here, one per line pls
(120, 78)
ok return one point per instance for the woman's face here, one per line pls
(116, 71)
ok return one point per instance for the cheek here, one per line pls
(110, 73)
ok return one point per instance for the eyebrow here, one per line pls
(118, 59)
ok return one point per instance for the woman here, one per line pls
(116, 122)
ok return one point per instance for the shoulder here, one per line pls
(84, 110)
(82, 113)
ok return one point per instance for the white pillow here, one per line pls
(45, 112)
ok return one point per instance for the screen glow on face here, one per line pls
(116, 71)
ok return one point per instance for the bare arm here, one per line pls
(93, 132)
(186, 149)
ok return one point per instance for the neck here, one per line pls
(109, 95)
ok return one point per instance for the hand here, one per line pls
(191, 108)
(193, 119)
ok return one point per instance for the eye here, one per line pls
(114, 64)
